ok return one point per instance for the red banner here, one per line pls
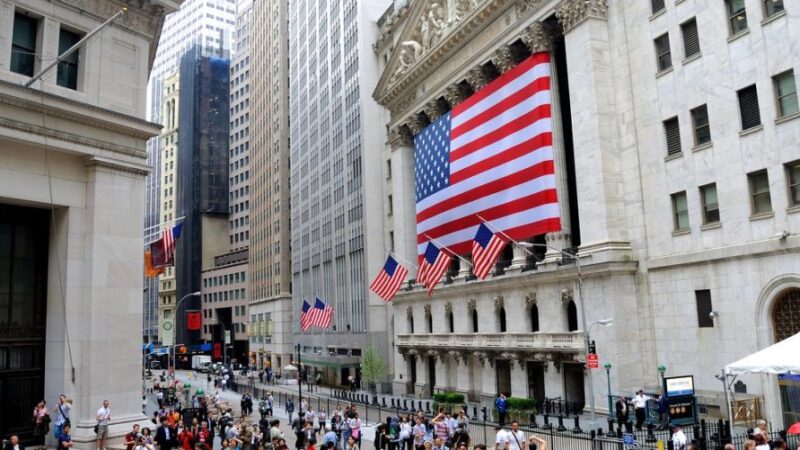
(217, 350)
(194, 320)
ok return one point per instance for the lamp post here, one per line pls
(661, 369)
(299, 386)
(583, 317)
(177, 306)
(607, 366)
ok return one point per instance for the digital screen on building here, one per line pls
(677, 386)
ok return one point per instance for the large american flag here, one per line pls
(491, 156)
(389, 279)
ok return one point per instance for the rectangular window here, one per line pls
(772, 7)
(23, 44)
(708, 194)
(68, 68)
(704, 309)
(663, 52)
(786, 93)
(672, 131)
(748, 107)
(793, 176)
(759, 192)
(737, 15)
(680, 210)
(657, 5)
(390, 205)
(702, 130)
(691, 41)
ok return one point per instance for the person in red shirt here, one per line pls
(130, 438)
(204, 436)
(186, 439)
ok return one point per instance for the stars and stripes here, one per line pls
(169, 237)
(491, 156)
(161, 253)
(389, 279)
(486, 247)
(320, 315)
(434, 264)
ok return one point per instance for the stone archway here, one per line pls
(777, 303)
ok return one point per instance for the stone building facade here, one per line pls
(72, 180)
(675, 153)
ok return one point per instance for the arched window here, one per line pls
(451, 323)
(429, 322)
(534, 313)
(572, 316)
(411, 324)
(502, 319)
(785, 314)
(475, 320)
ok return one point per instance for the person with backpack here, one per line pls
(61, 410)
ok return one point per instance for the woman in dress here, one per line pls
(40, 421)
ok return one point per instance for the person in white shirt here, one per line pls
(678, 438)
(639, 405)
(515, 438)
(500, 439)
(103, 416)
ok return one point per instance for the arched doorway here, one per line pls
(785, 317)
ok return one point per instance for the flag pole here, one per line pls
(403, 260)
(496, 230)
(147, 244)
(464, 260)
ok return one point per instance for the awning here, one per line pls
(780, 358)
(334, 362)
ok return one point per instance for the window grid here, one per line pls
(702, 129)
(663, 52)
(691, 40)
(748, 107)
(793, 176)
(737, 15)
(680, 211)
(772, 7)
(759, 192)
(657, 5)
(672, 132)
(786, 94)
(708, 195)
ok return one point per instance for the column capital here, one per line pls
(455, 94)
(477, 79)
(538, 37)
(400, 136)
(503, 59)
(433, 109)
(414, 125)
(530, 300)
(572, 13)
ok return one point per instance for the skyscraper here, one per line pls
(335, 124)
(204, 23)
(270, 272)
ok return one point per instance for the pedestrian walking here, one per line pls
(639, 407)
(103, 417)
(289, 408)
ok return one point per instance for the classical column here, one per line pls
(422, 389)
(519, 261)
(538, 37)
(403, 195)
(488, 378)
(401, 372)
(462, 368)
(463, 268)
(503, 59)
(598, 161)
(519, 376)
(440, 364)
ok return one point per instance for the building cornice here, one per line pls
(123, 167)
(572, 13)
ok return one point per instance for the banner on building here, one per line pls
(194, 320)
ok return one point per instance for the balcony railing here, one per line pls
(567, 342)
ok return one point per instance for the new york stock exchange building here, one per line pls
(676, 154)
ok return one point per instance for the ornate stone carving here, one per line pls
(482, 357)
(537, 38)
(410, 52)
(448, 307)
(427, 309)
(462, 8)
(414, 124)
(566, 295)
(433, 109)
(572, 13)
(530, 300)
(432, 24)
(455, 94)
(504, 59)
(477, 79)
(526, 6)
(400, 137)
(471, 304)
(511, 357)
(410, 312)
(499, 302)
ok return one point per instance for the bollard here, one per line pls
(592, 434)
(475, 411)
(428, 408)
(610, 426)
(405, 405)
(577, 429)
(393, 403)
(650, 436)
(483, 411)
(561, 426)
(384, 403)
(419, 405)
(547, 425)
(533, 420)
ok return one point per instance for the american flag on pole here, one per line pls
(389, 279)
(169, 237)
(322, 314)
(162, 251)
(491, 156)
(486, 247)
(434, 264)
(305, 317)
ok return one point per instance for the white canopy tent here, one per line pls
(780, 358)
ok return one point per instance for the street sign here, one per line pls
(592, 361)
(227, 337)
(628, 439)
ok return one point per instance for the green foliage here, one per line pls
(449, 397)
(520, 403)
(373, 367)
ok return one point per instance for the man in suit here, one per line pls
(165, 435)
(13, 443)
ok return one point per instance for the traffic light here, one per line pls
(592, 347)
(182, 349)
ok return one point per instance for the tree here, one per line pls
(373, 368)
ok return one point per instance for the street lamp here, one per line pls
(661, 369)
(177, 307)
(583, 316)
(607, 366)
